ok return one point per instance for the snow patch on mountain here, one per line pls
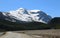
(28, 15)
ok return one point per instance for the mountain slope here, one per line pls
(11, 26)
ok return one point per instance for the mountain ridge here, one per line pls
(23, 15)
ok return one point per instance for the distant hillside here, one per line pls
(55, 23)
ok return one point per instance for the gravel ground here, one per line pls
(15, 35)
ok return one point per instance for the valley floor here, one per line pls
(51, 33)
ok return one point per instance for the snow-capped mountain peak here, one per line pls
(23, 15)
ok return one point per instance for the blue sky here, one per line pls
(51, 7)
